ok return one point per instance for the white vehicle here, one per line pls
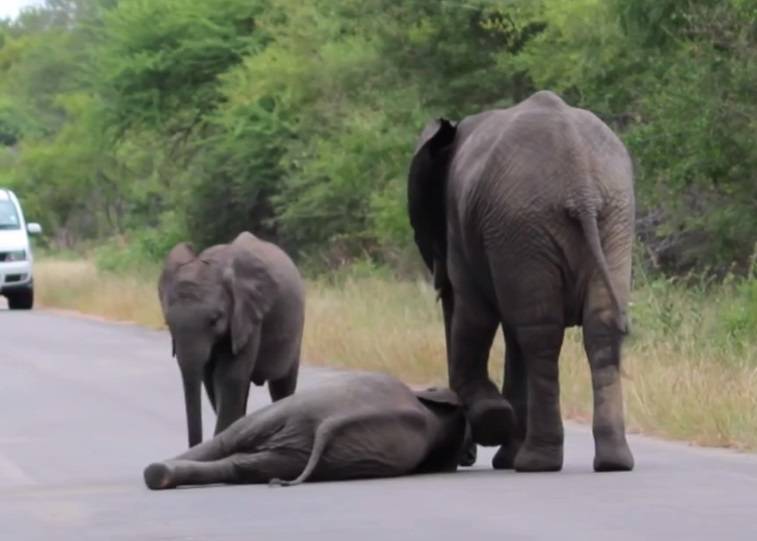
(16, 280)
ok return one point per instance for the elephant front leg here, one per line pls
(602, 345)
(542, 449)
(232, 402)
(469, 453)
(231, 388)
(285, 386)
(471, 335)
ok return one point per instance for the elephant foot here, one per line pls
(544, 458)
(504, 458)
(613, 457)
(491, 420)
(158, 476)
(468, 454)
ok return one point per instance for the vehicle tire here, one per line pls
(22, 299)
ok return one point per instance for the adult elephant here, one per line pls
(236, 314)
(525, 216)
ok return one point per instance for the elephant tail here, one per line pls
(322, 437)
(591, 232)
(410, 423)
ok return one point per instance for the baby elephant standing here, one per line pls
(357, 425)
(236, 313)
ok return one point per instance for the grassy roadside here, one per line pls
(691, 361)
(78, 285)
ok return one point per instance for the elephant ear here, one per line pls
(439, 396)
(251, 287)
(181, 254)
(426, 192)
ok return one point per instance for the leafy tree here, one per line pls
(157, 120)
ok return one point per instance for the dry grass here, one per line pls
(78, 285)
(371, 324)
(688, 377)
(679, 383)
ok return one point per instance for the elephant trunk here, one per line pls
(193, 354)
(192, 401)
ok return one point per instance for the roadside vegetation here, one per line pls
(127, 126)
(690, 362)
(158, 121)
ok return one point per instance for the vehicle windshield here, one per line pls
(8, 216)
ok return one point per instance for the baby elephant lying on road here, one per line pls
(356, 425)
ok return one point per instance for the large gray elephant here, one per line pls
(525, 216)
(357, 425)
(236, 313)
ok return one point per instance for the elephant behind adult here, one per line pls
(236, 315)
(525, 216)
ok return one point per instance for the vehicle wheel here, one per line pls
(21, 300)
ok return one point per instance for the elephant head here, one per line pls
(454, 431)
(426, 189)
(213, 304)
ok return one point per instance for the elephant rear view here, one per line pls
(236, 313)
(525, 216)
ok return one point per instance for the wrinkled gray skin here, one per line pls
(236, 313)
(357, 425)
(525, 216)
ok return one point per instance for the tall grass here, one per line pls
(690, 361)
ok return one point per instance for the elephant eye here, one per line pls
(215, 317)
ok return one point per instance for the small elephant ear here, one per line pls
(426, 187)
(252, 289)
(179, 255)
(439, 396)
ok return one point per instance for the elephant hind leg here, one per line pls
(174, 473)
(250, 468)
(603, 343)
(542, 449)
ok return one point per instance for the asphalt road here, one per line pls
(85, 405)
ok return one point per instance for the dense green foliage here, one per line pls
(157, 120)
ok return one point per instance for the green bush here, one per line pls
(739, 315)
(143, 248)
(297, 120)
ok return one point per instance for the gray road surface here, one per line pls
(85, 405)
